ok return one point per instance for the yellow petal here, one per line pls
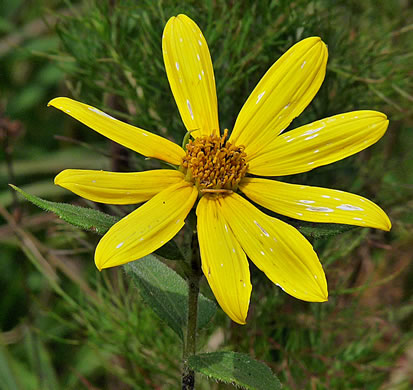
(277, 249)
(281, 95)
(315, 204)
(141, 141)
(319, 143)
(115, 187)
(223, 261)
(147, 228)
(191, 76)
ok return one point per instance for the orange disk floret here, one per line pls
(213, 164)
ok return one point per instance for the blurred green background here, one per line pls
(64, 325)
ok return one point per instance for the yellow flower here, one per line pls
(212, 169)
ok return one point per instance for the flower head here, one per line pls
(214, 168)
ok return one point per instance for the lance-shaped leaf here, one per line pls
(320, 230)
(170, 251)
(167, 293)
(85, 218)
(236, 368)
(92, 220)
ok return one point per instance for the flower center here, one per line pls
(213, 164)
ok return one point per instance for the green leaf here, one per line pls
(322, 230)
(93, 220)
(313, 230)
(170, 251)
(235, 368)
(85, 218)
(44, 188)
(167, 293)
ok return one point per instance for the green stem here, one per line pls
(188, 375)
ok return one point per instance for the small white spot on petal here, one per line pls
(312, 131)
(271, 249)
(100, 112)
(348, 207)
(119, 245)
(263, 253)
(144, 134)
(177, 221)
(226, 228)
(141, 239)
(180, 39)
(302, 65)
(262, 229)
(319, 209)
(311, 136)
(200, 43)
(331, 120)
(68, 111)
(259, 97)
(199, 76)
(177, 65)
(316, 151)
(292, 139)
(326, 196)
(306, 201)
(300, 214)
(190, 109)
(315, 276)
(288, 105)
(244, 285)
(202, 71)
(357, 219)
(233, 249)
(311, 163)
(199, 58)
(93, 181)
(222, 264)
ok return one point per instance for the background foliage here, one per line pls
(64, 325)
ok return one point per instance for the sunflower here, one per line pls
(216, 173)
